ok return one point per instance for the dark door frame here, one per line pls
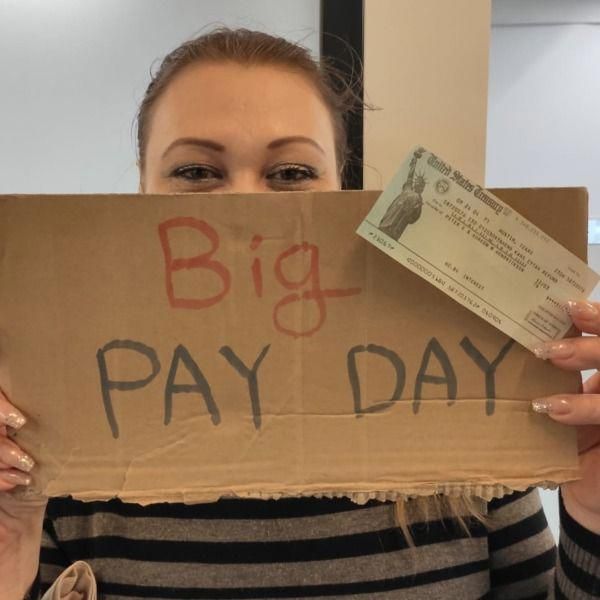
(342, 42)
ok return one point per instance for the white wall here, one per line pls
(544, 106)
(544, 99)
(72, 73)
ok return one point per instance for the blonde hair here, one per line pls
(462, 509)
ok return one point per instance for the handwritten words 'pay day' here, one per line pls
(306, 288)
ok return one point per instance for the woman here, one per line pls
(239, 111)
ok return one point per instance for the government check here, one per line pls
(478, 250)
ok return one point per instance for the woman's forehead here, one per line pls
(225, 96)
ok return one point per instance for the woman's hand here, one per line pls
(21, 518)
(582, 497)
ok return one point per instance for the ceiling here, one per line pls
(545, 12)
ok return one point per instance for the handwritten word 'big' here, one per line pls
(306, 288)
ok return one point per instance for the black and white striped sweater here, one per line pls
(316, 548)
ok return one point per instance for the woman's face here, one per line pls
(223, 127)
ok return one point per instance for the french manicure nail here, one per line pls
(540, 406)
(15, 420)
(19, 460)
(561, 349)
(554, 406)
(582, 309)
(16, 478)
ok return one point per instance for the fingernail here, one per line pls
(14, 419)
(581, 309)
(554, 406)
(19, 460)
(561, 349)
(16, 478)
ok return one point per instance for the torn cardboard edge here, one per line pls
(360, 492)
(387, 494)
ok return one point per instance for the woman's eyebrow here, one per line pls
(190, 141)
(213, 145)
(294, 138)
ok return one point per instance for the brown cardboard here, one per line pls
(78, 272)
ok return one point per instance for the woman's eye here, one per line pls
(196, 173)
(290, 174)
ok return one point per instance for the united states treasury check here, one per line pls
(477, 249)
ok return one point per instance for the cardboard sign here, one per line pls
(187, 347)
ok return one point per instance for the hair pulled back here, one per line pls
(247, 47)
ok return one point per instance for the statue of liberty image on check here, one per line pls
(405, 209)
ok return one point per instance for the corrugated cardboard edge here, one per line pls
(387, 493)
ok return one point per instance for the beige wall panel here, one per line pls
(426, 67)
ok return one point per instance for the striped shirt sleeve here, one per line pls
(52, 560)
(578, 571)
(521, 546)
